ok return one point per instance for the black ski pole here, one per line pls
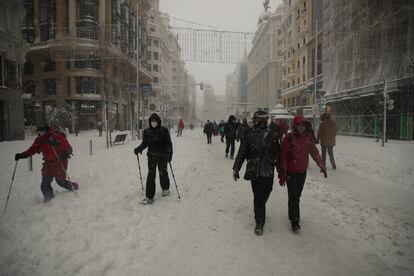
(140, 175)
(175, 182)
(11, 184)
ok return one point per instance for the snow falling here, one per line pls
(358, 221)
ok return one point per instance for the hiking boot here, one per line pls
(165, 192)
(258, 230)
(227, 155)
(147, 201)
(75, 186)
(295, 227)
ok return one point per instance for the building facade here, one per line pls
(264, 63)
(84, 56)
(12, 49)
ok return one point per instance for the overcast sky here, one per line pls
(240, 15)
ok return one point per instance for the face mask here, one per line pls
(154, 124)
(300, 128)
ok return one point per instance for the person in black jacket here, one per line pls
(242, 131)
(261, 149)
(158, 141)
(208, 130)
(230, 131)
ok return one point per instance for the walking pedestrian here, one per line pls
(99, 126)
(294, 160)
(327, 138)
(230, 131)
(160, 151)
(180, 128)
(221, 130)
(56, 152)
(242, 131)
(208, 130)
(261, 150)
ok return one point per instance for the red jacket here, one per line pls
(41, 145)
(181, 124)
(296, 147)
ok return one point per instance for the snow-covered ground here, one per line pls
(358, 221)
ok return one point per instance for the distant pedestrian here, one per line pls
(208, 130)
(242, 131)
(160, 151)
(56, 152)
(230, 131)
(309, 130)
(180, 128)
(99, 126)
(191, 126)
(221, 130)
(294, 159)
(261, 149)
(327, 138)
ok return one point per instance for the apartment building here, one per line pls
(83, 56)
(12, 51)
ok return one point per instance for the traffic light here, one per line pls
(201, 85)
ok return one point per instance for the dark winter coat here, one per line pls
(157, 140)
(311, 132)
(221, 128)
(261, 149)
(242, 131)
(230, 129)
(327, 131)
(208, 128)
(296, 148)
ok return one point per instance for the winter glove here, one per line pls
(64, 155)
(235, 175)
(323, 170)
(19, 156)
(137, 150)
(282, 180)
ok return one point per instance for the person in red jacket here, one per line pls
(56, 152)
(294, 160)
(180, 128)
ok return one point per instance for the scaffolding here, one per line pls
(366, 45)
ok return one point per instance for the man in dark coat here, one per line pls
(327, 137)
(208, 130)
(230, 131)
(242, 131)
(160, 151)
(294, 160)
(56, 151)
(261, 149)
(220, 128)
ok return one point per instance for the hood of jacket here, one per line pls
(231, 118)
(325, 117)
(297, 120)
(154, 116)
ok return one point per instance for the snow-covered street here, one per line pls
(358, 221)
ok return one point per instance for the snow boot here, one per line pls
(75, 186)
(334, 166)
(165, 193)
(147, 201)
(295, 227)
(48, 199)
(227, 155)
(258, 230)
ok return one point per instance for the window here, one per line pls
(50, 86)
(156, 55)
(49, 66)
(155, 80)
(1, 71)
(68, 64)
(298, 46)
(148, 55)
(68, 81)
(28, 22)
(304, 41)
(298, 80)
(298, 64)
(289, 70)
(114, 90)
(88, 63)
(29, 87)
(155, 67)
(293, 83)
(303, 61)
(28, 68)
(156, 43)
(149, 42)
(47, 19)
(87, 85)
(149, 67)
(304, 78)
(9, 74)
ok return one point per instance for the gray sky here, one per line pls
(239, 15)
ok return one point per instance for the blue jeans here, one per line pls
(47, 189)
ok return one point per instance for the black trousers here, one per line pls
(209, 138)
(262, 187)
(295, 182)
(230, 146)
(330, 153)
(155, 160)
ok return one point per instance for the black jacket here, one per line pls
(208, 128)
(230, 129)
(157, 139)
(242, 131)
(261, 149)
